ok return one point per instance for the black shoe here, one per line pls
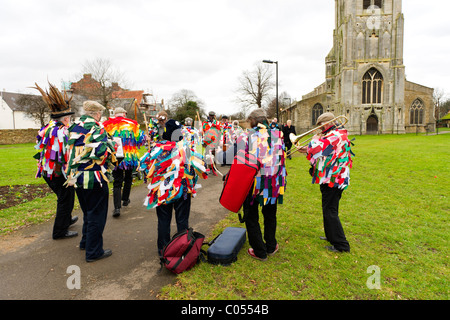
(73, 220)
(333, 249)
(323, 238)
(68, 234)
(116, 213)
(105, 254)
(126, 202)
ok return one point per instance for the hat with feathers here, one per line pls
(58, 103)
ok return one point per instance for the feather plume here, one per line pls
(56, 101)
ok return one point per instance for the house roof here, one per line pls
(446, 117)
(125, 94)
(11, 100)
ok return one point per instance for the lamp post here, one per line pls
(276, 62)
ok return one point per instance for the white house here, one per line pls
(13, 116)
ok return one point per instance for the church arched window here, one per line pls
(317, 110)
(368, 3)
(372, 87)
(416, 112)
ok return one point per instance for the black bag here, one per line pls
(225, 247)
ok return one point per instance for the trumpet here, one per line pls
(300, 140)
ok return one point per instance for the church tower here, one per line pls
(365, 75)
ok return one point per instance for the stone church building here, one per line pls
(365, 75)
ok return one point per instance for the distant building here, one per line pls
(365, 75)
(119, 97)
(445, 120)
(87, 86)
(14, 116)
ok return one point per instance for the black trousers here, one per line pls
(121, 178)
(288, 146)
(255, 237)
(331, 222)
(64, 205)
(164, 212)
(94, 204)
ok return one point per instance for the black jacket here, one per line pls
(287, 131)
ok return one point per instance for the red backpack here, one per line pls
(239, 180)
(183, 251)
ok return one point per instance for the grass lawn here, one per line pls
(18, 167)
(395, 216)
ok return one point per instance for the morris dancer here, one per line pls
(174, 167)
(227, 155)
(331, 158)
(270, 183)
(92, 157)
(211, 130)
(237, 130)
(190, 133)
(53, 157)
(130, 138)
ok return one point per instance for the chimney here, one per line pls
(115, 86)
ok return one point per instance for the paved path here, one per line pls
(33, 266)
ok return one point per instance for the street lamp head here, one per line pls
(267, 61)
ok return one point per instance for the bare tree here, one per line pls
(438, 99)
(35, 107)
(284, 100)
(255, 86)
(108, 77)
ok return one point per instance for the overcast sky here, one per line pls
(163, 46)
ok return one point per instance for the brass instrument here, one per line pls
(297, 141)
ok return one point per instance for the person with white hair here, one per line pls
(92, 157)
(287, 130)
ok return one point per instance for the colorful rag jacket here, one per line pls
(268, 146)
(236, 132)
(211, 133)
(226, 134)
(92, 154)
(132, 139)
(153, 130)
(330, 155)
(51, 142)
(191, 135)
(172, 170)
